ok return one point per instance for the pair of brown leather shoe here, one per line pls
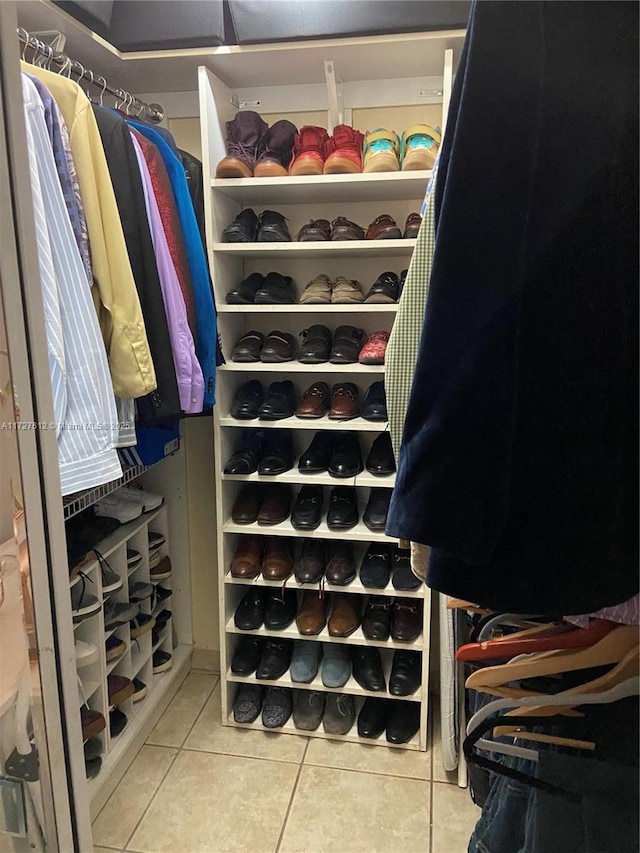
(341, 404)
(384, 227)
(265, 504)
(270, 555)
(312, 614)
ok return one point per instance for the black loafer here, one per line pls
(276, 290)
(308, 708)
(346, 458)
(246, 458)
(403, 721)
(343, 508)
(307, 510)
(316, 457)
(403, 278)
(272, 228)
(246, 656)
(245, 292)
(277, 707)
(385, 289)
(403, 578)
(247, 401)
(375, 515)
(275, 660)
(405, 673)
(381, 461)
(280, 609)
(341, 565)
(372, 719)
(248, 348)
(279, 402)
(375, 569)
(278, 348)
(374, 405)
(249, 614)
(367, 668)
(243, 229)
(316, 345)
(309, 567)
(376, 622)
(347, 343)
(247, 702)
(277, 453)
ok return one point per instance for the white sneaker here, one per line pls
(119, 508)
(147, 500)
(86, 654)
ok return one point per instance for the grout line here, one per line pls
(164, 776)
(235, 755)
(291, 798)
(197, 717)
(369, 772)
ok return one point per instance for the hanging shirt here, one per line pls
(83, 401)
(205, 312)
(115, 295)
(188, 370)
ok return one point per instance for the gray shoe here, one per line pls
(111, 581)
(116, 614)
(277, 707)
(339, 714)
(308, 708)
(336, 665)
(305, 661)
(139, 591)
(83, 604)
(247, 703)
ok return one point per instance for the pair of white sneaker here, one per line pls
(127, 504)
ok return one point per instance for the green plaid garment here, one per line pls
(402, 349)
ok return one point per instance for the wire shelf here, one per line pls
(73, 504)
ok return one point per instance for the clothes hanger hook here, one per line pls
(89, 83)
(26, 38)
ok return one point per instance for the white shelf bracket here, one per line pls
(334, 95)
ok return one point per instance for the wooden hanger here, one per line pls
(461, 604)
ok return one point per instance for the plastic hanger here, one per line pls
(609, 650)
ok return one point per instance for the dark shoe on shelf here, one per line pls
(336, 664)
(316, 345)
(375, 515)
(403, 721)
(278, 348)
(305, 661)
(247, 654)
(316, 458)
(307, 510)
(345, 615)
(339, 714)
(244, 134)
(248, 348)
(272, 228)
(275, 660)
(275, 505)
(162, 661)
(274, 150)
(247, 401)
(312, 613)
(381, 461)
(310, 564)
(375, 569)
(406, 620)
(249, 614)
(247, 561)
(278, 558)
(347, 343)
(344, 229)
(343, 508)
(280, 609)
(92, 766)
(245, 292)
(140, 690)
(403, 579)
(315, 230)
(114, 648)
(346, 458)
(92, 722)
(276, 290)
(405, 673)
(119, 689)
(243, 229)
(277, 453)
(308, 708)
(412, 226)
(403, 278)
(246, 458)
(247, 703)
(315, 401)
(376, 622)
(372, 719)
(344, 402)
(374, 405)
(117, 722)
(279, 402)
(247, 504)
(341, 566)
(277, 707)
(384, 290)
(383, 227)
(367, 668)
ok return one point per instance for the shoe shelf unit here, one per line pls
(360, 198)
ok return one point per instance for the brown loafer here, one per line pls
(343, 229)
(412, 226)
(119, 689)
(314, 230)
(315, 401)
(247, 561)
(312, 616)
(278, 559)
(383, 228)
(278, 347)
(92, 722)
(275, 505)
(344, 402)
(406, 620)
(245, 509)
(345, 615)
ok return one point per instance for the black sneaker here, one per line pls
(139, 690)
(272, 228)
(243, 229)
(162, 661)
(117, 721)
(276, 290)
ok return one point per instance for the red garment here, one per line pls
(170, 223)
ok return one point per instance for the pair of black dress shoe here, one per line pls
(251, 401)
(317, 345)
(276, 348)
(275, 609)
(269, 227)
(368, 672)
(256, 289)
(342, 513)
(387, 288)
(400, 719)
(269, 453)
(340, 455)
(334, 558)
(269, 658)
(383, 562)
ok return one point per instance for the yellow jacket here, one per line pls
(114, 292)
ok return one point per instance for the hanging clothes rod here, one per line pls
(129, 102)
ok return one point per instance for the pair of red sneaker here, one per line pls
(317, 153)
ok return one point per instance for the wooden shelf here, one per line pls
(359, 533)
(288, 367)
(355, 586)
(325, 479)
(328, 249)
(323, 423)
(324, 188)
(337, 309)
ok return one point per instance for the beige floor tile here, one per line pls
(439, 773)
(125, 807)
(337, 810)
(174, 725)
(454, 817)
(209, 735)
(369, 759)
(215, 804)
(104, 849)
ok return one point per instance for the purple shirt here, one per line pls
(188, 371)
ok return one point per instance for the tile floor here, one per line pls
(198, 787)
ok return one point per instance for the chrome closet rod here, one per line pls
(153, 112)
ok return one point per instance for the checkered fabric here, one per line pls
(402, 349)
